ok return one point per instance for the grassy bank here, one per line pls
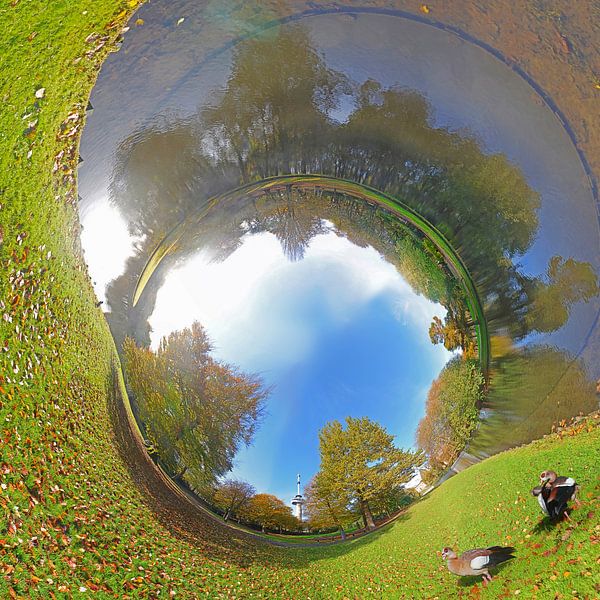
(73, 516)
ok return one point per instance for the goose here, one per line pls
(477, 561)
(553, 494)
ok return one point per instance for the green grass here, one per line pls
(307, 538)
(488, 504)
(73, 522)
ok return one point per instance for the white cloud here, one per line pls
(259, 308)
(269, 315)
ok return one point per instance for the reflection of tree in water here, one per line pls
(481, 202)
(566, 282)
(159, 176)
(291, 223)
(273, 117)
(551, 386)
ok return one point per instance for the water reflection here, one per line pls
(534, 388)
(296, 99)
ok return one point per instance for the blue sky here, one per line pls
(338, 333)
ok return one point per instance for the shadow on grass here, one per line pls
(471, 580)
(547, 524)
(186, 520)
(544, 526)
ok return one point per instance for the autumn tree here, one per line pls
(269, 512)
(361, 462)
(451, 412)
(324, 507)
(231, 495)
(454, 333)
(196, 411)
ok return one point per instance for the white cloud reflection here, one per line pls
(106, 243)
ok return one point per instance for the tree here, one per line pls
(196, 411)
(360, 463)
(273, 114)
(292, 224)
(156, 402)
(392, 500)
(421, 270)
(454, 332)
(324, 507)
(482, 201)
(231, 496)
(451, 412)
(269, 512)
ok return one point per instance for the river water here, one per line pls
(310, 288)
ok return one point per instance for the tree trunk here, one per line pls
(335, 519)
(180, 475)
(367, 515)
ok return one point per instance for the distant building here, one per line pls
(418, 485)
(298, 502)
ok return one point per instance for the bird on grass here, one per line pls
(554, 493)
(477, 561)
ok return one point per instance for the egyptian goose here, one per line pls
(477, 561)
(554, 493)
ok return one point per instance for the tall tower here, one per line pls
(298, 502)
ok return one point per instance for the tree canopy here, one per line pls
(196, 411)
(269, 512)
(451, 412)
(324, 507)
(231, 496)
(359, 463)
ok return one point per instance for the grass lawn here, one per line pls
(72, 522)
(489, 504)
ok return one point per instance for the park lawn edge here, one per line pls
(72, 521)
